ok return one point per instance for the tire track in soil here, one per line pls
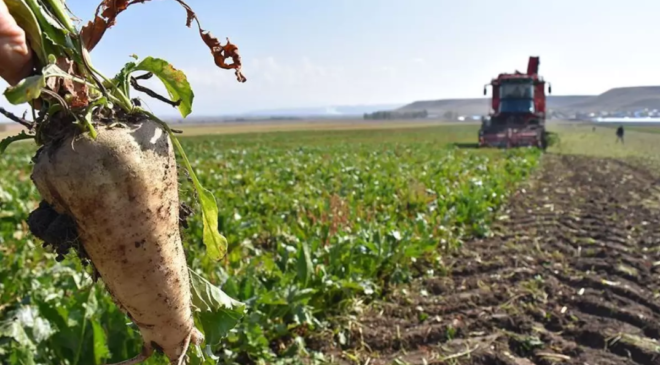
(567, 278)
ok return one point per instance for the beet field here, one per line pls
(319, 225)
(378, 246)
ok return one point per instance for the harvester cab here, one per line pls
(518, 110)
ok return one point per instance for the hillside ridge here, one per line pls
(619, 99)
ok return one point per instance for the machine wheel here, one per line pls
(544, 140)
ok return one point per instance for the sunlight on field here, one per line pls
(311, 125)
(328, 213)
(364, 207)
(267, 126)
(582, 139)
(575, 138)
(647, 129)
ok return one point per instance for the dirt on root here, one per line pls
(59, 232)
(571, 276)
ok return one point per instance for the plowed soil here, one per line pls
(571, 276)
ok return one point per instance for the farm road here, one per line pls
(571, 276)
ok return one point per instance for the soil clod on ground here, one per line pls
(570, 276)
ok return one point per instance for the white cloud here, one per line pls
(419, 61)
(281, 83)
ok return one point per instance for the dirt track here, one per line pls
(572, 276)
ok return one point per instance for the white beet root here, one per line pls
(122, 191)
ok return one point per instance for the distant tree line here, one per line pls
(284, 118)
(384, 115)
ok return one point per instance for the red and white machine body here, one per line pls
(518, 114)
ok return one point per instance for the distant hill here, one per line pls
(479, 106)
(617, 99)
(620, 99)
(323, 111)
(460, 106)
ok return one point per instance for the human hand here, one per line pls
(15, 54)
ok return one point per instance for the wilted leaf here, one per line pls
(108, 10)
(208, 297)
(221, 53)
(26, 90)
(31, 87)
(94, 30)
(113, 8)
(65, 70)
(219, 312)
(175, 82)
(54, 70)
(216, 325)
(216, 244)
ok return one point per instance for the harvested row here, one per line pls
(571, 276)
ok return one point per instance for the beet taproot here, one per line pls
(107, 173)
(122, 189)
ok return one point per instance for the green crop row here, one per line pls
(316, 224)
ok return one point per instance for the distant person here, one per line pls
(619, 134)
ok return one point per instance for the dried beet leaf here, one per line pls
(221, 53)
(110, 9)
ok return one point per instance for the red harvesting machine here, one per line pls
(517, 118)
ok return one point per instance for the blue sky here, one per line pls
(300, 53)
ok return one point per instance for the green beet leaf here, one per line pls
(7, 141)
(28, 89)
(219, 313)
(175, 82)
(216, 244)
(101, 351)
